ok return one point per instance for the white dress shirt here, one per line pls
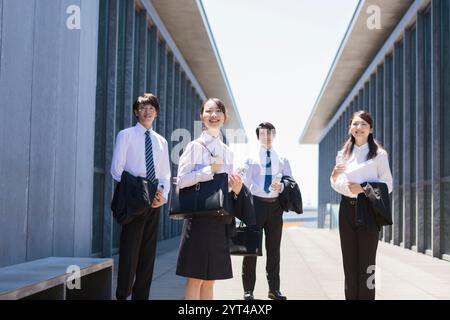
(359, 170)
(129, 155)
(195, 162)
(255, 171)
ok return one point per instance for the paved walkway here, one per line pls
(311, 268)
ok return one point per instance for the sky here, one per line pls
(276, 55)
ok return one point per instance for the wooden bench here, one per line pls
(47, 279)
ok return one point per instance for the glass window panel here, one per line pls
(428, 220)
(428, 95)
(137, 22)
(379, 121)
(388, 107)
(427, 119)
(445, 145)
(400, 221)
(97, 221)
(446, 213)
(400, 107)
(120, 87)
(161, 85)
(100, 125)
(413, 216)
(412, 112)
(100, 103)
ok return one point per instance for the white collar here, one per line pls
(142, 129)
(365, 146)
(207, 138)
(263, 151)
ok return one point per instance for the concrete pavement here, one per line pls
(311, 268)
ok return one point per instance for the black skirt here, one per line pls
(204, 250)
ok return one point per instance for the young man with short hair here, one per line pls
(263, 174)
(142, 152)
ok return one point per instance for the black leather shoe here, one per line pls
(248, 295)
(276, 295)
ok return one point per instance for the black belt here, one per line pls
(268, 200)
(350, 201)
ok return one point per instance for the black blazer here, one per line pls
(244, 210)
(291, 197)
(132, 197)
(373, 207)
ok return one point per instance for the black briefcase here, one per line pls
(247, 241)
(209, 198)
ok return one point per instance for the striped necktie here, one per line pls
(268, 176)
(149, 164)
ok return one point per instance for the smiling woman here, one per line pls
(213, 114)
(204, 254)
(361, 160)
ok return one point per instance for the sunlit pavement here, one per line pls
(311, 268)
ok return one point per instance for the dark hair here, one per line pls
(145, 99)
(218, 103)
(265, 125)
(374, 145)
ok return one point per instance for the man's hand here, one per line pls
(276, 186)
(355, 188)
(235, 182)
(159, 200)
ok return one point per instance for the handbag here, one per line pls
(209, 198)
(247, 241)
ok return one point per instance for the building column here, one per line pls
(169, 108)
(436, 113)
(397, 141)
(128, 68)
(142, 53)
(406, 143)
(110, 123)
(420, 134)
(387, 120)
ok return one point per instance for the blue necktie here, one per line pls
(149, 164)
(268, 177)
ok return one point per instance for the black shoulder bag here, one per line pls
(209, 198)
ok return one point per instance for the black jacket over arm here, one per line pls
(244, 210)
(291, 197)
(373, 207)
(132, 197)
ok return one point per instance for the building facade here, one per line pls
(401, 75)
(69, 73)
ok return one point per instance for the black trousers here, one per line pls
(137, 256)
(269, 217)
(359, 250)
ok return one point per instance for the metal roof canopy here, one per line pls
(356, 52)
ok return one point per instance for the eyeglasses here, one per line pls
(147, 108)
